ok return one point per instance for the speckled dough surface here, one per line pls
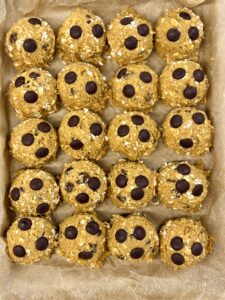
(131, 185)
(182, 185)
(183, 83)
(82, 85)
(30, 42)
(82, 240)
(130, 37)
(33, 142)
(30, 239)
(82, 37)
(33, 94)
(83, 184)
(179, 34)
(133, 238)
(34, 192)
(82, 134)
(188, 131)
(184, 242)
(135, 87)
(134, 134)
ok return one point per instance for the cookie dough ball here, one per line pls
(33, 142)
(183, 83)
(184, 242)
(30, 42)
(131, 185)
(34, 192)
(83, 184)
(135, 87)
(179, 34)
(130, 37)
(82, 134)
(81, 86)
(182, 186)
(33, 94)
(82, 240)
(188, 131)
(133, 238)
(82, 37)
(30, 239)
(134, 134)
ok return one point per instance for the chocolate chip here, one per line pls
(144, 136)
(137, 194)
(44, 127)
(137, 253)
(94, 183)
(19, 251)
(75, 32)
(146, 77)
(97, 31)
(29, 45)
(179, 73)
(36, 184)
(69, 187)
(122, 73)
(182, 186)
(176, 121)
(73, 121)
(76, 144)
(34, 21)
(71, 232)
(137, 120)
(42, 208)
(141, 181)
(121, 235)
(41, 243)
(19, 81)
(121, 181)
(199, 75)
(24, 224)
(184, 15)
(82, 198)
(70, 77)
(34, 75)
(186, 143)
(184, 169)
(193, 33)
(190, 92)
(92, 227)
(173, 35)
(198, 118)
(123, 130)
(42, 152)
(128, 91)
(15, 194)
(177, 259)
(177, 243)
(196, 249)
(131, 43)
(85, 255)
(139, 233)
(91, 87)
(96, 129)
(30, 97)
(27, 139)
(143, 29)
(126, 20)
(13, 37)
(197, 190)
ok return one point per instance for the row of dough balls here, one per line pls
(86, 241)
(83, 135)
(82, 37)
(33, 93)
(130, 185)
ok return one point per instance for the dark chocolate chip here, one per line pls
(36, 184)
(184, 169)
(34, 75)
(121, 181)
(121, 235)
(197, 249)
(13, 37)
(24, 224)
(123, 130)
(30, 97)
(137, 194)
(137, 120)
(190, 92)
(177, 243)
(137, 253)
(186, 143)
(19, 81)
(44, 127)
(19, 251)
(41, 243)
(128, 91)
(73, 121)
(42, 152)
(146, 77)
(139, 233)
(193, 33)
(141, 181)
(179, 73)
(173, 35)
(176, 121)
(182, 186)
(82, 198)
(96, 129)
(70, 77)
(131, 43)
(144, 136)
(199, 75)
(85, 255)
(92, 227)
(143, 29)
(122, 73)
(177, 259)
(91, 87)
(15, 194)
(94, 183)
(75, 32)
(198, 118)
(76, 144)
(34, 21)
(29, 45)
(97, 31)
(197, 190)
(27, 139)
(184, 15)
(42, 208)
(71, 232)
(126, 20)
(69, 187)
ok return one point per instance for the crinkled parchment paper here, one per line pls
(57, 279)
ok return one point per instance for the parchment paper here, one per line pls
(57, 279)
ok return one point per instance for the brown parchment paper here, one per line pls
(56, 278)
